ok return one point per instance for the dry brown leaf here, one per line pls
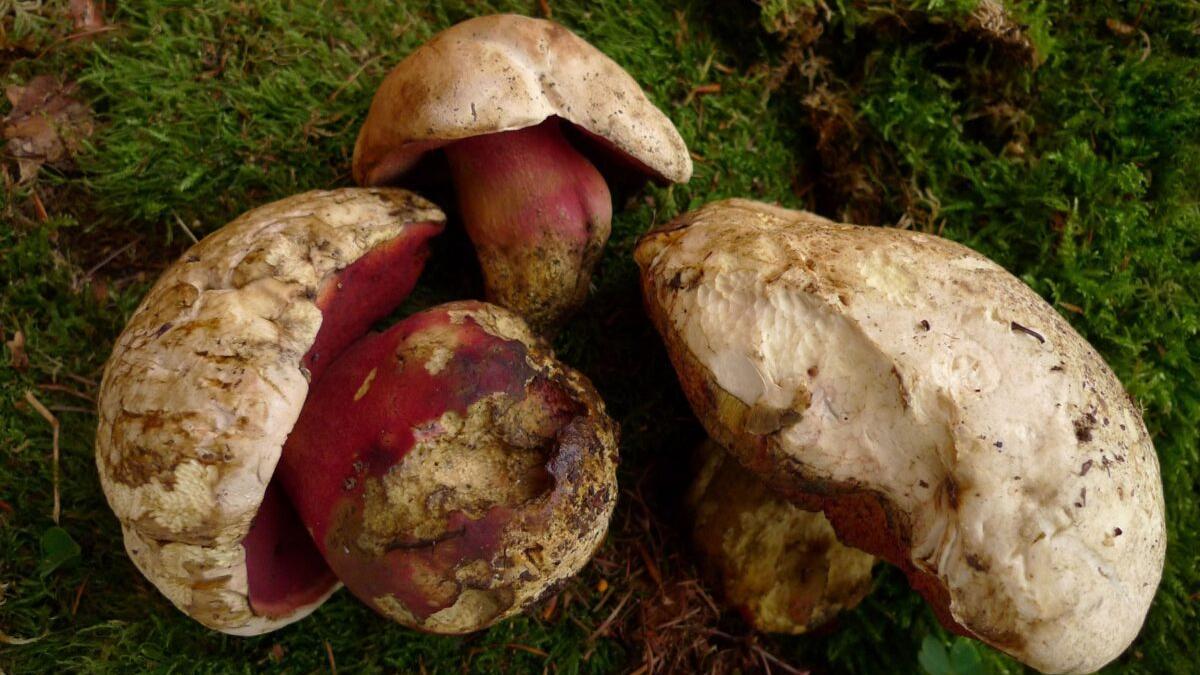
(16, 349)
(86, 15)
(46, 125)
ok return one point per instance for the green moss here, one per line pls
(1078, 175)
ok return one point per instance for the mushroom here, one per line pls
(941, 414)
(780, 566)
(209, 378)
(515, 103)
(451, 470)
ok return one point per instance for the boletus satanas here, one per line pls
(781, 567)
(523, 111)
(939, 412)
(260, 447)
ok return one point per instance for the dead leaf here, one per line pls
(85, 15)
(46, 125)
(16, 349)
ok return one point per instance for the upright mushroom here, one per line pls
(518, 105)
(940, 413)
(232, 360)
(781, 567)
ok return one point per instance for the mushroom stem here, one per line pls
(538, 213)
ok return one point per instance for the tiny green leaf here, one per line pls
(58, 548)
(964, 657)
(933, 657)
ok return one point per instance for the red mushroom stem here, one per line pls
(539, 214)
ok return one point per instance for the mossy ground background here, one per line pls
(1080, 175)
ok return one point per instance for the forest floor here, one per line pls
(1062, 139)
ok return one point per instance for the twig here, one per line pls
(338, 92)
(548, 610)
(185, 229)
(87, 382)
(72, 409)
(527, 649)
(110, 257)
(611, 617)
(50, 386)
(53, 421)
(544, 5)
(329, 653)
(39, 207)
(75, 36)
(702, 90)
(787, 668)
(78, 596)
(651, 568)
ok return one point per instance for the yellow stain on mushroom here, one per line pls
(366, 385)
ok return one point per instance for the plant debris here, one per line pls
(17, 358)
(47, 125)
(85, 15)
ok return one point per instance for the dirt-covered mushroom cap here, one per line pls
(208, 378)
(942, 415)
(451, 470)
(781, 567)
(502, 73)
(526, 113)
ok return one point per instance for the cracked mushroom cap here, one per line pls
(208, 378)
(506, 72)
(451, 470)
(941, 414)
(780, 566)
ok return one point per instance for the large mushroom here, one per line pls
(522, 109)
(941, 414)
(232, 367)
(781, 567)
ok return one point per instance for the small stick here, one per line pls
(185, 229)
(72, 409)
(110, 257)
(611, 617)
(78, 596)
(39, 207)
(53, 421)
(701, 90)
(329, 653)
(527, 649)
(50, 386)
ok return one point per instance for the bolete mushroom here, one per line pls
(941, 414)
(781, 567)
(518, 106)
(205, 390)
(450, 469)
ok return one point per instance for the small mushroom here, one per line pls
(780, 566)
(205, 389)
(940, 413)
(518, 106)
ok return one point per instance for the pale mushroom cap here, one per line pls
(505, 72)
(1010, 461)
(205, 383)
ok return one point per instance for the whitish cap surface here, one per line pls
(1015, 469)
(205, 383)
(505, 72)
